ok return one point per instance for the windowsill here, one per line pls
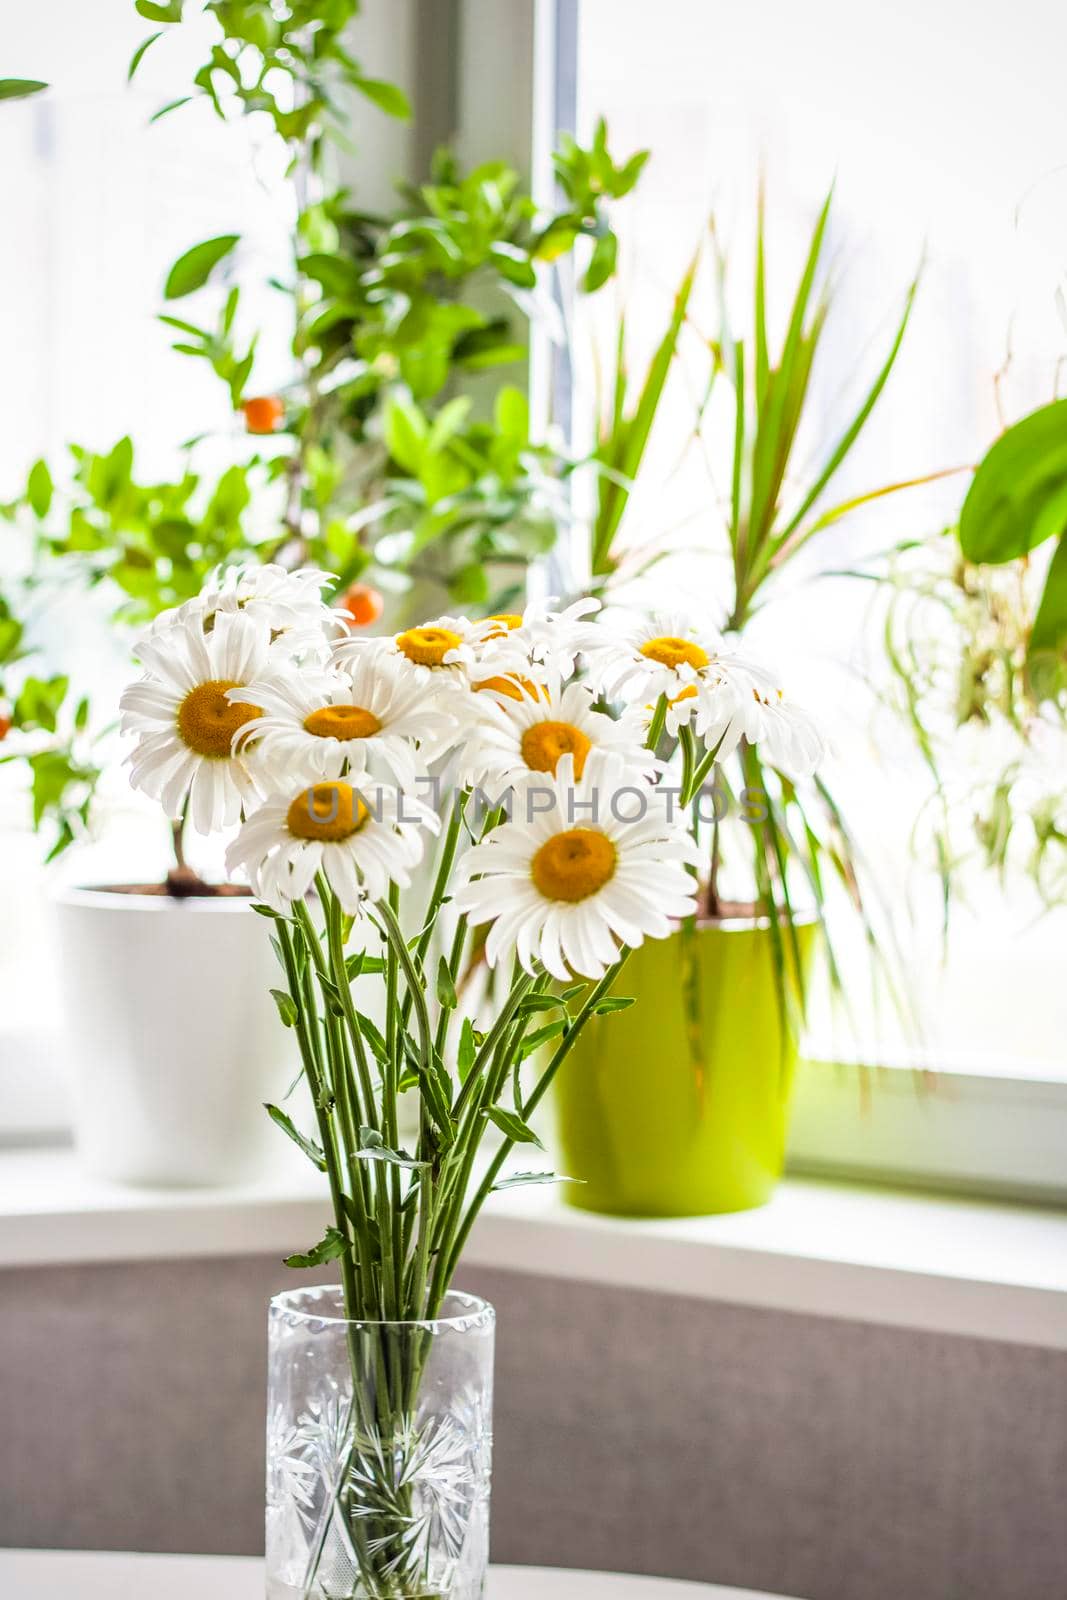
(948, 1265)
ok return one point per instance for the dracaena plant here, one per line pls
(369, 462)
(771, 508)
(553, 827)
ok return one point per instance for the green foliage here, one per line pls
(20, 88)
(286, 1123)
(773, 505)
(625, 425)
(588, 177)
(965, 646)
(330, 1248)
(380, 466)
(156, 542)
(1017, 501)
(44, 727)
(193, 269)
(231, 360)
(287, 62)
(1018, 497)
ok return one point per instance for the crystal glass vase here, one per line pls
(379, 1439)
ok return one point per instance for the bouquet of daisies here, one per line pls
(528, 757)
(530, 782)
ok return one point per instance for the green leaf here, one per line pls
(20, 88)
(372, 1036)
(612, 1003)
(436, 1091)
(330, 1248)
(467, 1050)
(448, 421)
(1019, 494)
(513, 1127)
(446, 989)
(140, 53)
(288, 1126)
(470, 585)
(39, 702)
(361, 965)
(267, 911)
(406, 433)
(372, 1147)
(1047, 652)
(624, 447)
(286, 1007)
(539, 1002)
(558, 237)
(386, 96)
(513, 264)
(519, 1180)
(11, 631)
(39, 489)
(159, 10)
(601, 263)
(172, 105)
(540, 1036)
(192, 270)
(512, 415)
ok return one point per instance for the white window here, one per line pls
(97, 203)
(940, 125)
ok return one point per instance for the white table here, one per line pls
(77, 1575)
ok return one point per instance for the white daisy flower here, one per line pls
(184, 722)
(723, 695)
(517, 731)
(289, 604)
(365, 714)
(541, 640)
(653, 656)
(362, 841)
(446, 646)
(583, 867)
(787, 736)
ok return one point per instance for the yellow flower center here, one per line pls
(342, 722)
(328, 812)
(207, 721)
(573, 865)
(514, 686)
(508, 620)
(544, 744)
(688, 693)
(427, 647)
(672, 652)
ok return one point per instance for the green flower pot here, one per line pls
(669, 1110)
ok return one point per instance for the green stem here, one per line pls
(529, 1107)
(437, 894)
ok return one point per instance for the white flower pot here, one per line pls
(173, 1039)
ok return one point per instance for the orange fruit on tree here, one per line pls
(5, 727)
(363, 604)
(262, 413)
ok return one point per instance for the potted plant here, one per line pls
(687, 1111)
(560, 840)
(976, 639)
(368, 463)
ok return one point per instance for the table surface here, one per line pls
(96, 1575)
